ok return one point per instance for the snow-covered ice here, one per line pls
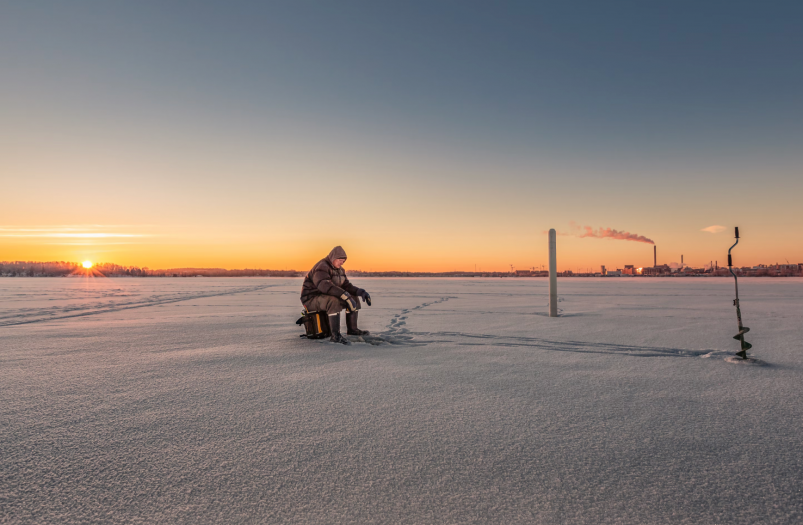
(195, 401)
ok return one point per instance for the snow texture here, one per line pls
(195, 401)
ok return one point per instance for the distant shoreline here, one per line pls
(66, 269)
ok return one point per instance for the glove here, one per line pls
(351, 303)
(365, 297)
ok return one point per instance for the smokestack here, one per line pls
(655, 256)
(681, 260)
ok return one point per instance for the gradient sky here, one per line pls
(418, 135)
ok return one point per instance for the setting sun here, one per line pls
(87, 264)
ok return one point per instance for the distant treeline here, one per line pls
(63, 269)
(37, 269)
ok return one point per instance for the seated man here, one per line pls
(326, 288)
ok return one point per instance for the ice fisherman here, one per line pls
(326, 288)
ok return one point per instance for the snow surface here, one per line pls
(195, 401)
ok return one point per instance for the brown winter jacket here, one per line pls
(325, 279)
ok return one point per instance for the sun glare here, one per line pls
(87, 264)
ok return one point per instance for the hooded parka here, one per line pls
(325, 279)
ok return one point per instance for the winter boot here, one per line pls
(334, 326)
(351, 325)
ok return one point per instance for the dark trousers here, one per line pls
(328, 303)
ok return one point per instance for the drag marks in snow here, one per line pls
(582, 347)
(38, 315)
(399, 334)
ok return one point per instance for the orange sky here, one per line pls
(419, 250)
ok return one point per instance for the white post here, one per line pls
(553, 275)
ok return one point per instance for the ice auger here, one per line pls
(742, 329)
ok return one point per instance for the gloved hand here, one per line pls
(351, 302)
(365, 297)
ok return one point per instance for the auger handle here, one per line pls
(730, 260)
